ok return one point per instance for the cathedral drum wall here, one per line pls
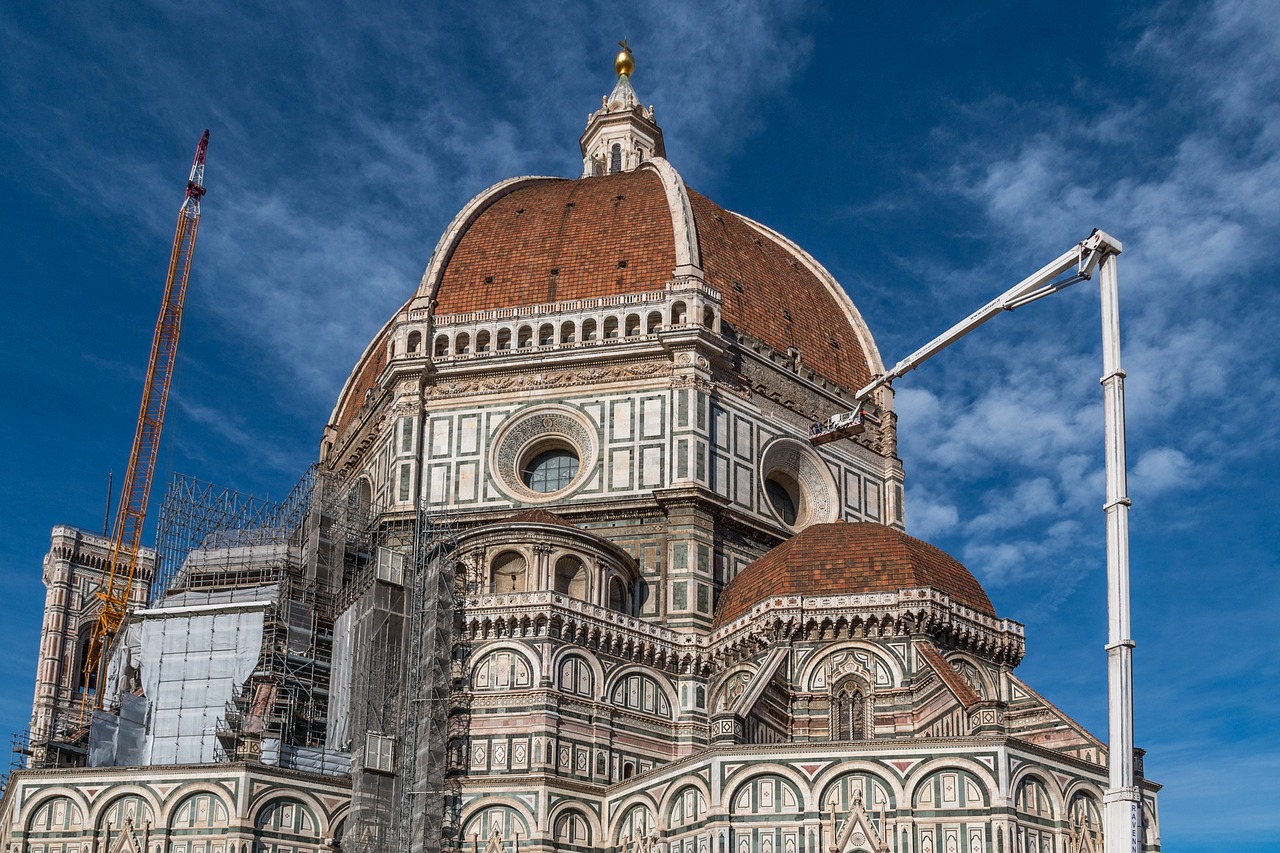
(629, 442)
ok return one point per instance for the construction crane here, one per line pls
(117, 587)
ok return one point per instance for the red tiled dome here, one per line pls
(540, 240)
(842, 559)
(556, 240)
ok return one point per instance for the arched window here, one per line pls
(54, 817)
(610, 328)
(482, 341)
(567, 333)
(442, 346)
(200, 811)
(501, 670)
(129, 809)
(546, 335)
(640, 692)
(588, 330)
(504, 340)
(415, 342)
(1085, 814)
(655, 321)
(462, 344)
(360, 497)
(508, 573)
(618, 596)
(848, 712)
(615, 158)
(633, 325)
(688, 806)
(576, 676)
(525, 337)
(571, 828)
(571, 577)
(81, 684)
(678, 312)
(709, 317)
(637, 824)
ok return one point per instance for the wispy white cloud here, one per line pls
(1191, 183)
(329, 187)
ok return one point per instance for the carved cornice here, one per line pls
(869, 615)
(531, 378)
(772, 622)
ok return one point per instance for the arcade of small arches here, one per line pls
(569, 563)
(864, 808)
(189, 819)
(532, 334)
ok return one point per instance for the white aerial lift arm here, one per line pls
(1084, 256)
(1122, 802)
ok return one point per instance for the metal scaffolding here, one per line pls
(402, 616)
(336, 621)
(428, 806)
(199, 516)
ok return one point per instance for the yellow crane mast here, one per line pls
(131, 513)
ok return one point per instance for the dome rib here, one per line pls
(463, 220)
(554, 241)
(772, 294)
(847, 559)
(684, 231)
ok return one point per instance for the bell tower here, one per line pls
(622, 134)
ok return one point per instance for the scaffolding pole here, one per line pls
(427, 806)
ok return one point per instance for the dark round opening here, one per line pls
(783, 498)
(551, 470)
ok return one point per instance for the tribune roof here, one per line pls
(847, 558)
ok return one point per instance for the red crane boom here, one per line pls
(117, 588)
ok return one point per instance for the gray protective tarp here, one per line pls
(191, 661)
(122, 668)
(312, 759)
(239, 595)
(119, 741)
(338, 729)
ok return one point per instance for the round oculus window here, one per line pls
(797, 488)
(544, 453)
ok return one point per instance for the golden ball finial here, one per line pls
(625, 61)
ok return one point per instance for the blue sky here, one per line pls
(928, 155)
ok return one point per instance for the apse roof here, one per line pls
(848, 558)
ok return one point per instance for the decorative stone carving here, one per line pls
(534, 380)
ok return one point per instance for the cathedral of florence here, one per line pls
(569, 573)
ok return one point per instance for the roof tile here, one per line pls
(849, 558)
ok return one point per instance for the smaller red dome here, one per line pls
(845, 559)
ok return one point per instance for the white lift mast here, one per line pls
(1122, 820)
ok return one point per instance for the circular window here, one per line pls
(544, 453)
(550, 470)
(798, 490)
